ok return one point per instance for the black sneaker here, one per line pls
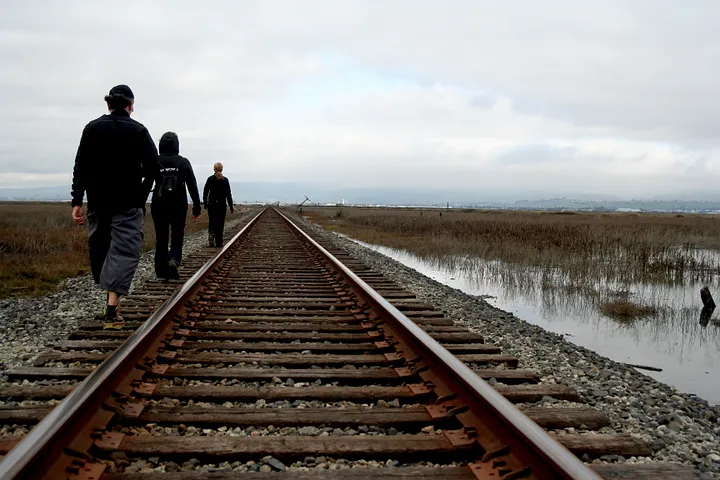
(110, 323)
(173, 273)
(116, 323)
(211, 240)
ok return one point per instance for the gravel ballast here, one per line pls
(681, 428)
(29, 325)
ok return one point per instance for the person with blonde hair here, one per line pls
(217, 197)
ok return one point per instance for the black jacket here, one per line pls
(217, 192)
(116, 163)
(170, 158)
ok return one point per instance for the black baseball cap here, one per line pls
(122, 90)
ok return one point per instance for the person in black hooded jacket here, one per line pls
(169, 206)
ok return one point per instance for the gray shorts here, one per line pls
(115, 242)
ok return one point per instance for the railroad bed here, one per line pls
(274, 360)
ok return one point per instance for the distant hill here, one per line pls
(43, 194)
(293, 193)
(272, 192)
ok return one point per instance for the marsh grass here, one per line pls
(555, 257)
(40, 246)
(627, 311)
(585, 247)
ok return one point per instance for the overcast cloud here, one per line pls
(604, 97)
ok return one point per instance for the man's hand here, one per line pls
(77, 214)
(196, 218)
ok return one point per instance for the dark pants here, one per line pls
(115, 242)
(169, 225)
(216, 227)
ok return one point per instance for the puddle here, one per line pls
(686, 348)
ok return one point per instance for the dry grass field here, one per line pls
(606, 247)
(40, 246)
(602, 256)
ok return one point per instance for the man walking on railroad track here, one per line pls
(116, 164)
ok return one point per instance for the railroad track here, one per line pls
(276, 360)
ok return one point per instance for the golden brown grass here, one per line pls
(627, 311)
(40, 246)
(595, 247)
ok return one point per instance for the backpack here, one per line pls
(171, 185)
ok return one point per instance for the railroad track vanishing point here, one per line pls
(275, 360)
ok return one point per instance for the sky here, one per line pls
(615, 98)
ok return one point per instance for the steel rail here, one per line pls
(556, 458)
(50, 439)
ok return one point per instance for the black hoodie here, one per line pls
(169, 158)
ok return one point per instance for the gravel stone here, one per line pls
(276, 464)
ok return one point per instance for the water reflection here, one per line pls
(682, 338)
(705, 315)
(674, 330)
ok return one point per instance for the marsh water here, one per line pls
(676, 339)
